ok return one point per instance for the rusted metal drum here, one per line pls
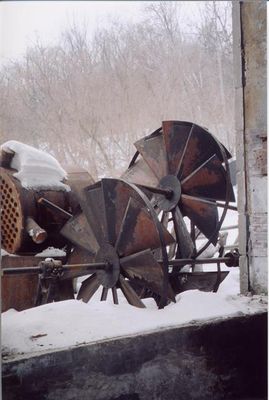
(28, 226)
(11, 213)
(21, 213)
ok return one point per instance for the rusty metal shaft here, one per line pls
(168, 193)
(54, 207)
(213, 203)
(93, 267)
(230, 259)
(184, 261)
(85, 267)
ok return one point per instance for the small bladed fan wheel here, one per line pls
(116, 227)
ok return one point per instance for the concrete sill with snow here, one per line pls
(71, 323)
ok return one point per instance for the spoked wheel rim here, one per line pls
(120, 228)
(187, 160)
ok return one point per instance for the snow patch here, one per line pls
(51, 252)
(72, 322)
(36, 169)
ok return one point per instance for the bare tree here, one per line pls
(87, 101)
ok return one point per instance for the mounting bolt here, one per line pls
(108, 266)
(169, 193)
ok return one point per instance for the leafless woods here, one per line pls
(87, 100)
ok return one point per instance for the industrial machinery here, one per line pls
(138, 232)
(186, 168)
(29, 224)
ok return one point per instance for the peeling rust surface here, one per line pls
(153, 151)
(204, 216)
(138, 231)
(208, 182)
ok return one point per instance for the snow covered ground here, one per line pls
(72, 323)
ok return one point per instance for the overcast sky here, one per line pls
(22, 21)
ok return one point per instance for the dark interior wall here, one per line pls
(221, 360)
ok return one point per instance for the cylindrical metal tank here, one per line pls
(28, 227)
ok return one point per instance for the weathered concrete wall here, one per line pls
(249, 26)
(226, 359)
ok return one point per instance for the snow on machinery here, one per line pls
(137, 233)
(30, 181)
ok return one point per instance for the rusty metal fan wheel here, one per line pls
(118, 226)
(186, 169)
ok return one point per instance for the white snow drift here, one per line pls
(36, 168)
(72, 322)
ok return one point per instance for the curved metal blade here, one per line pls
(88, 288)
(116, 197)
(80, 256)
(208, 181)
(176, 136)
(77, 179)
(140, 174)
(130, 294)
(144, 267)
(184, 241)
(204, 216)
(115, 295)
(104, 294)
(138, 231)
(93, 207)
(201, 146)
(152, 149)
(78, 231)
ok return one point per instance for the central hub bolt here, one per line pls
(109, 276)
(109, 265)
(169, 194)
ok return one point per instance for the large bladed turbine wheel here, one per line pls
(186, 162)
(116, 227)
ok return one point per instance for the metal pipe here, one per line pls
(233, 208)
(227, 228)
(28, 270)
(88, 267)
(168, 193)
(53, 207)
(22, 270)
(232, 246)
(104, 265)
(38, 234)
(213, 203)
(185, 261)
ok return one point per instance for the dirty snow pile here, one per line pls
(36, 168)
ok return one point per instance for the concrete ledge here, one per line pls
(226, 359)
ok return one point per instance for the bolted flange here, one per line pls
(110, 275)
(172, 185)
